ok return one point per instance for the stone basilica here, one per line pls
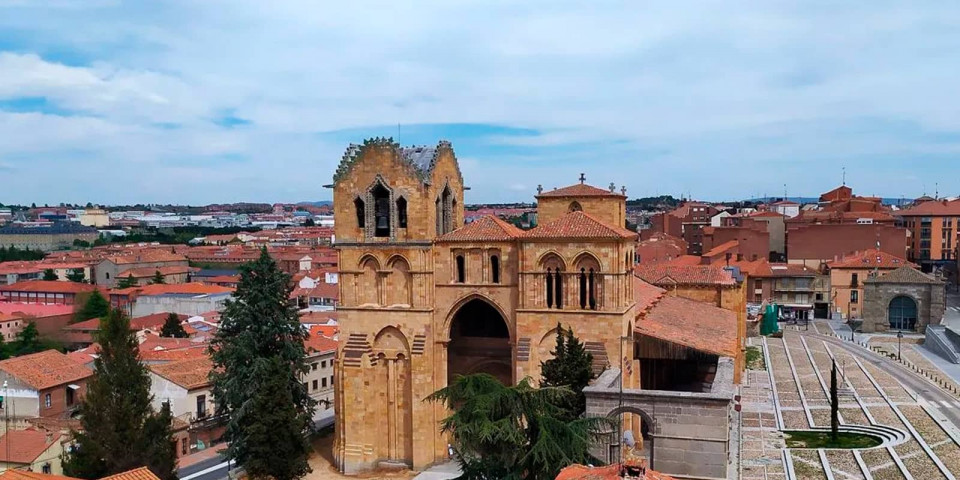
(425, 297)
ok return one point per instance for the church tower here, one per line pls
(390, 203)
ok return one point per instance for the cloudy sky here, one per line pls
(220, 101)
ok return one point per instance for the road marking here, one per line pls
(206, 471)
(946, 403)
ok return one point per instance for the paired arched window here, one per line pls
(553, 281)
(588, 270)
(361, 212)
(401, 212)
(495, 269)
(461, 269)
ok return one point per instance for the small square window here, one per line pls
(315, 384)
(314, 366)
(323, 364)
(324, 382)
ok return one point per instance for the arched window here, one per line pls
(589, 275)
(574, 207)
(361, 212)
(495, 269)
(402, 212)
(461, 269)
(553, 283)
(381, 211)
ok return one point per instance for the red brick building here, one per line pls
(44, 292)
(45, 384)
(818, 243)
(687, 222)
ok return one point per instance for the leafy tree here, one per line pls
(572, 367)
(95, 306)
(4, 349)
(157, 278)
(172, 327)
(514, 432)
(28, 340)
(834, 404)
(127, 282)
(50, 276)
(81, 243)
(309, 223)
(258, 356)
(120, 430)
(77, 275)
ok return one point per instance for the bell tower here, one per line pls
(390, 204)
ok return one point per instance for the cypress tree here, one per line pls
(258, 356)
(127, 282)
(172, 327)
(96, 306)
(834, 404)
(157, 278)
(49, 275)
(571, 367)
(120, 430)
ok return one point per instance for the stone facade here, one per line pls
(924, 293)
(423, 297)
(686, 435)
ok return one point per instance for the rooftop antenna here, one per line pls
(936, 190)
(398, 134)
(844, 175)
(784, 191)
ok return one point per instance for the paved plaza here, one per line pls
(917, 420)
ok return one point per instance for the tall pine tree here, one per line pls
(258, 356)
(157, 278)
(120, 430)
(95, 306)
(571, 367)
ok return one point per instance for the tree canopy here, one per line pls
(95, 306)
(127, 282)
(572, 367)
(172, 327)
(157, 278)
(28, 340)
(258, 355)
(514, 432)
(49, 275)
(77, 275)
(120, 430)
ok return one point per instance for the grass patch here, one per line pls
(812, 439)
(755, 359)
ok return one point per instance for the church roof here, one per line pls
(904, 275)
(869, 259)
(578, 225)
(421, 159)
(580, 190)
(487, 228)
(669, 275)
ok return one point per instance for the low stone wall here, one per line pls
(689, 432)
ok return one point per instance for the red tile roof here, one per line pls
(933, 208)
(685, 260)
(578, 225)
(697, 325)
(668, 275)
(35, 309)
(609, 472)
(147, 272)
(322, 290)
(645, 295)
(48, 287)
(27, 475)
(318, 342)
(142, 473)
(182, 288)
(148, 256)
(24, 446)
(154, 320)
(45, 369)
(320, 317)
(189, 374)
(85, 356)
(722, 248)
(868, 259)
(484, 229)
(580, 190)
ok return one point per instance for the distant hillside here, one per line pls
(321, 203)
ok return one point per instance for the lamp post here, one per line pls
(899, 336)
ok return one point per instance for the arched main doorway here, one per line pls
(903, 313)
(479, 342)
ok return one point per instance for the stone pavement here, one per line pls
(762, 442)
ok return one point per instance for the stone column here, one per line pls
(391, 407)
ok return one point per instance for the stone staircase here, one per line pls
(944, 341)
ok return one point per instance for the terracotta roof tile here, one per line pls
(192, 288)
(27, 475)
(487, 228)
(722, 248)
(868, 259)
(48, 287)
(190, 374)
(24, 446)
(148, 256)
(664, 275)
(907, 275)
(580, 190)
(142, 473)
(45, 369)
(933, 208)
(317, 342)
(578, 225)
(697, 325)
(645, 295)
(147, 272)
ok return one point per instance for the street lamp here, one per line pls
(899, 336)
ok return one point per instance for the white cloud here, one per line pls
(658, 91)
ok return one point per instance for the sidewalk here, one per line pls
(195, 458)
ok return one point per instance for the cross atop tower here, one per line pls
(539, 189)
(583, 178)
(613, 187)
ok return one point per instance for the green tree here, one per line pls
(4, 349)
(81, 243)
(50, 276)
(127, 282)
(29, 340)
(95, 306)
(120, 430)
(834, 405)
(77, 275)
(172, 327)
(514, 432)
(157, 278)
(572, 367)
(309, 223)
(258, 356)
